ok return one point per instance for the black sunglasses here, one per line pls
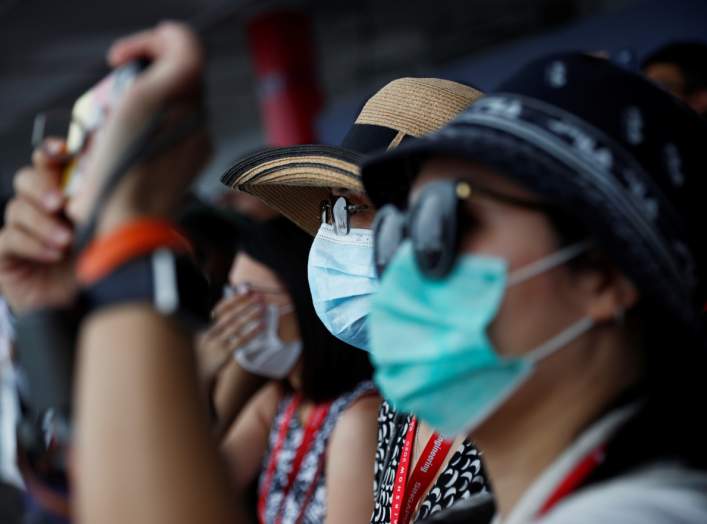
(434, 225)
(338, 212)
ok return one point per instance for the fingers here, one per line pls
(130, 47)
(51, 154)
(16, 243)
(176, 65)
(236, 336)
(238, 320)
(237, 302)
(216, 345)
(41, 183)
(212, 355)
(40, 188)
(229, 325)
(213, 349)
(35, 222)
(33, 229)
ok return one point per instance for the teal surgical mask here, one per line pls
(342, 279)
(429, 340)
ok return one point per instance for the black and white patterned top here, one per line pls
(306, 500)
(462, 478)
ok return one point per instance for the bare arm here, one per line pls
(229, 385)
(234, 389)
(245, 444)
(145, 452)
(350, 460)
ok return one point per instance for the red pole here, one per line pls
(282, 50)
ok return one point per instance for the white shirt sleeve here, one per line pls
(661, 494)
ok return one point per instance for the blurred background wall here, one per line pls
(315, 60)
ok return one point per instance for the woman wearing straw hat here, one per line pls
(158, 463)
(307, 437)
(543, 292)
(319, 188)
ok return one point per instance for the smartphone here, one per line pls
(88, 115)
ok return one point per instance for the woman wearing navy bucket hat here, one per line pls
(541, 290)
(319, 188)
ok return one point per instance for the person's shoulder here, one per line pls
(271, 392)
(361, 416)
(266, 400)
(362, 410)
(663, 493)
(365, 406)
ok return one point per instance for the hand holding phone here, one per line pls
(35, 241)
(89, 114)
(169, 87)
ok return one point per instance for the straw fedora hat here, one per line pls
(294, 180)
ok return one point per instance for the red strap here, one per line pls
(401, 474)
(272, 465)
(310, 492)
(128, 242)
(314, 423)
(405, 499)
(574, 479)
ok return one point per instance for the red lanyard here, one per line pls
(574, 479)
(407, 494)
(314, 424)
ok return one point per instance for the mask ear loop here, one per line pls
(549, 262)
(534, 269)
(573, 332)
(560, 340)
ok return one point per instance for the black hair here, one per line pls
(207, 225)
(689, 56)
(213, 234)
(673, 355)
(330, 367)
(667, 425)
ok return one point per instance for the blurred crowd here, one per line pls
(480, 307)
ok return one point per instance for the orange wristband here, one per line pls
(131, 241)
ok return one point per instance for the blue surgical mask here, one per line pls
(429, 340)
(342, 279)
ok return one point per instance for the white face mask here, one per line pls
(342, 279)
(267, 354)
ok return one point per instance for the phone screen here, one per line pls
(89, 114)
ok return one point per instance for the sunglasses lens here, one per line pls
(388, 234)
(324, 208)
(341, 216)
(433, 230)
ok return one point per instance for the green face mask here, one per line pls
(429, 343)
